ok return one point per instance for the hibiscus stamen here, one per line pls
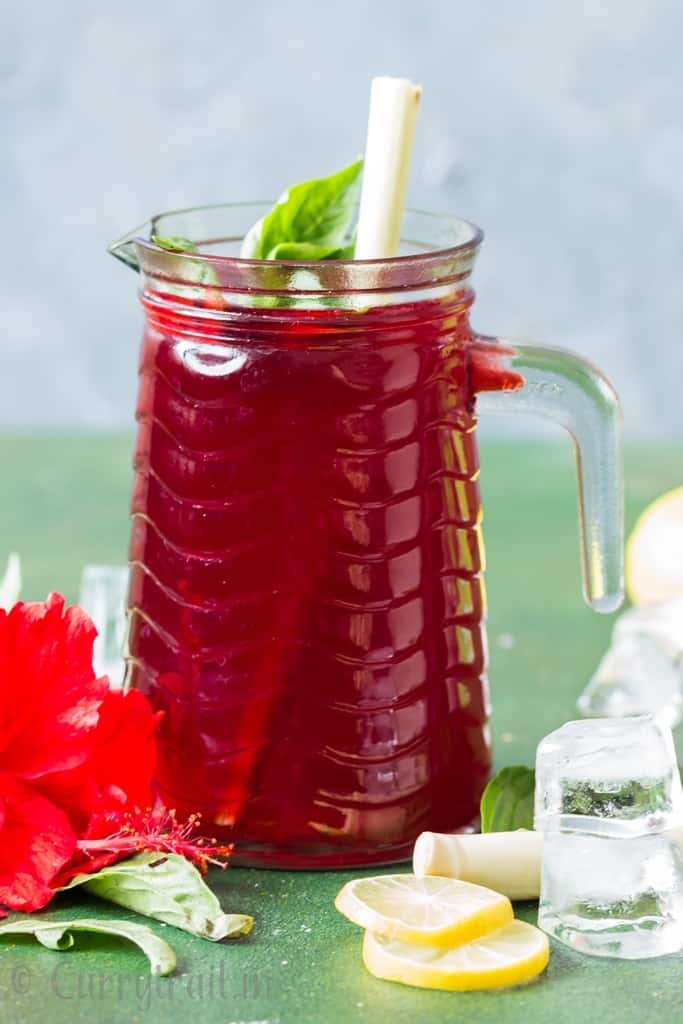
(156, 830)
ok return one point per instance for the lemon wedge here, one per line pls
(431, 911)
(512, 955)
(654, 553)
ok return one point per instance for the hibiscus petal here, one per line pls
(124, 756)
(117, 774)
(83, 865)
(49, 698)
(36, 842)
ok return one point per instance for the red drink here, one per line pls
(307, 588)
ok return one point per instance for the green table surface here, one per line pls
(65, 503)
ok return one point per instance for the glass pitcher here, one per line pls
(307, 603)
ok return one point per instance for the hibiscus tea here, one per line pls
(307, 598)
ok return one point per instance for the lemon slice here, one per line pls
(513, 955)
(430, 911)
(654, 553)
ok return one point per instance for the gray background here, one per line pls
(556, 126)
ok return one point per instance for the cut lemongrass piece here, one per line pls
(394, 104)
(509, 862)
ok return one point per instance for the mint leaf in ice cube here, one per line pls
(622, 799)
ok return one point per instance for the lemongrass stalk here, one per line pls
(509, 862)
(394, 104)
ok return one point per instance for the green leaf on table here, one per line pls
(169, 888)
(508, 801)
(317, 213)
(58, 935)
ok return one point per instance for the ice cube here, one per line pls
(103, 596)
(642, 671)
(613, 897)
(608, 776)
(635, 677)
(663, 622)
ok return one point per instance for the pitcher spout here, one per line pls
(125, 248)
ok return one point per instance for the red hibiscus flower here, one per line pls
(71, 749)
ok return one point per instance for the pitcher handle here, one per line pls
(569, 390)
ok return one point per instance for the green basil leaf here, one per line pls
(310, 251)
(318, 212)
(199, 271)
(58, 935)
(508, 801)
(167, 887)
(174, 243)
(347, 252)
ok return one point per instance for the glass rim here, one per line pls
(470, 243)
(441, 252)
